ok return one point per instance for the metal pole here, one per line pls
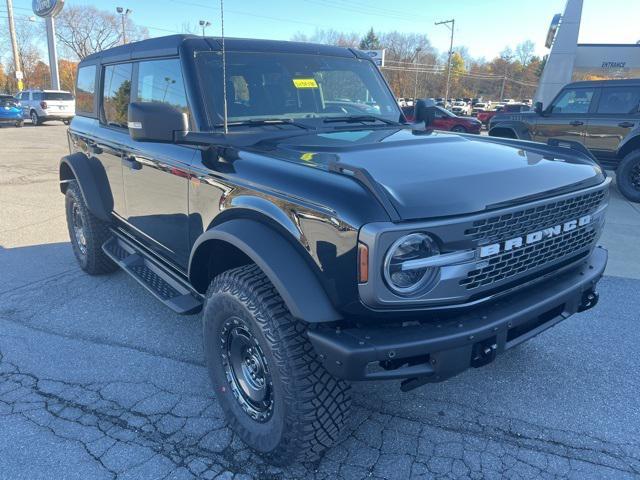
(452, 28)
(415, 85)
(224, 70)
(124, 32)
(53, 54)
(14, 42)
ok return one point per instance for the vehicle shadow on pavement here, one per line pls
(99, 380)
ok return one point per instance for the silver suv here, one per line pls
(43, 105)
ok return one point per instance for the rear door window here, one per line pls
(619, 100)
(116, 94)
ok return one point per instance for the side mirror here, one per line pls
(538, 108)
(155, 122)
(425, 112)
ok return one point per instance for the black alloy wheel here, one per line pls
(246, 369)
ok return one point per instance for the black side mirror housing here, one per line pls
(155, 122)
(420, 111)
(538, 108)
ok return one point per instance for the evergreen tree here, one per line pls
(370, 41)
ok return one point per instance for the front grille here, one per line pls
(538, 255)
(519, 223)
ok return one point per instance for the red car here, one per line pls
(485, 117)
(445, 120)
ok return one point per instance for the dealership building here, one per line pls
(570, 61)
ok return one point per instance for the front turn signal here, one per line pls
(363, 263)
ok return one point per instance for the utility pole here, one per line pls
(14, 44)
(506, 59)
(415, 86)
(123, 14)
(451, 25)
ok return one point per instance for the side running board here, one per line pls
(165, 286)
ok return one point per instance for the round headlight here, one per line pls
(403, 276)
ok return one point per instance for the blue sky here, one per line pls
(485, 27)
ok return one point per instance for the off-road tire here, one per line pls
(92, 260)
(310, 406)
(628, 176)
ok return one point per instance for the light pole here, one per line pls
(452, 28)
(415, 86)
(123, 14)
(204, 24)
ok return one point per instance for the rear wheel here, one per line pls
(459, 129)
(87, 233)
(275, 393)
(628, 176)
(35, 119)
(66, 122)
(19, 124)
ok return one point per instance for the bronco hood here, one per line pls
(431, 174)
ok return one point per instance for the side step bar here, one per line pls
(174, 292)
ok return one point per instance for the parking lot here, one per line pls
(99, 380)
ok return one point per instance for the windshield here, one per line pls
(57, 96)
(8, 101)
(273, 86)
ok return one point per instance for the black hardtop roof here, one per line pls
(629, 82)
(170, 45)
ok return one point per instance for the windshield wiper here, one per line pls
(360, 118)
(266, 121)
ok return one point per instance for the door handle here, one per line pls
(626, 124)
(576, 123)
(131, 162)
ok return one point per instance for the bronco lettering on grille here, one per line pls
(517, 242)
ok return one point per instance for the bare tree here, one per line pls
(27, 38)
(83, 30)
(524, 52)
(329, 37)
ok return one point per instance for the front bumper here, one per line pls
(443, 348)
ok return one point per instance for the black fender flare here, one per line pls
(93, 182)
(281, 262)
(631, 142)
(520, 129)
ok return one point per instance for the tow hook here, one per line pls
(484, 352)
(589, 300)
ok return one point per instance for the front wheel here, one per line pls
(275, 393)
(66, 122)
(459, 129)
(628, 176)
(19, 124)
(35, 119)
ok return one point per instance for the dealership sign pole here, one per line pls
(48, 9)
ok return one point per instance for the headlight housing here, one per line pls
(402, 271)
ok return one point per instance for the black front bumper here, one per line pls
(438, 350)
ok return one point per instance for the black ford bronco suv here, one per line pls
(278, 188)
(602, 115)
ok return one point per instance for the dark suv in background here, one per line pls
(604, 116)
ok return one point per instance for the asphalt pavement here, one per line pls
(99, 380)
